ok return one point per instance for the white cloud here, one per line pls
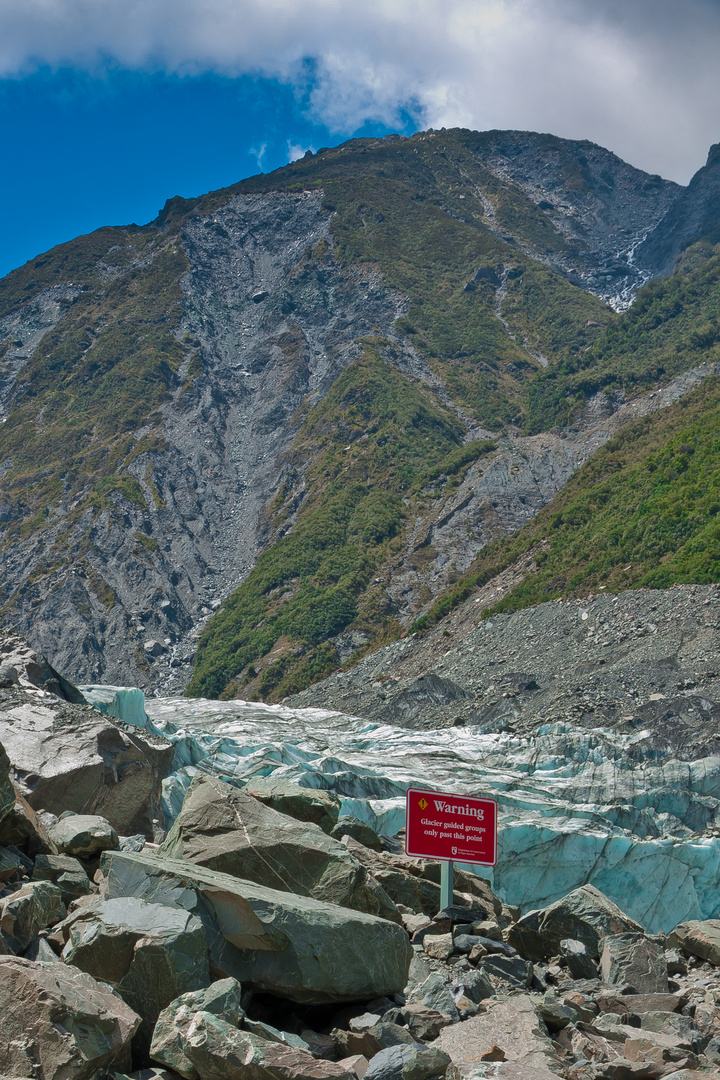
(640, 77)
(295, 151)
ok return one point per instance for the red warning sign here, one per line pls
(453, 827)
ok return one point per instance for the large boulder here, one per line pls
(168, 1047)
(151, 953)
(306, 804)
(31, 908)
(64, 871)
(58, 1022)
(70, 757)
(85, 835)
(218, 1051)
(636, 961)
(21, 666)
(294, 946)
(224, 829)
(698, 938)
(24, 828)
(585, 915)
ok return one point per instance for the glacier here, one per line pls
(574, 806)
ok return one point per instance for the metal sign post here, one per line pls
(447, 873)
(450, 828)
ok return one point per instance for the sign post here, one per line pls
(450, 828)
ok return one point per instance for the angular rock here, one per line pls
(634, 960)
(64, 871)
(59, 1023)
(290, 945)
(21, 666)
(413, 1062)
(11, 865)
(150, 953)
(7, 792)
(682, 1029)
(579, 962)
(221, 999)
(699, 938)
(438, 946)
(305, 804)
(32, 908)
(584, 915)
(513, 1025)
(24, 829)
(89, 765)
(511, 969)
(474, 985)
(423, 1023)
(86, 835)
(218, 1051)
(224, 829)
(348, 825)
(612, 1001)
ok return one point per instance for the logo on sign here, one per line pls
(423, 804)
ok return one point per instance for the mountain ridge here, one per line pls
(424, 259)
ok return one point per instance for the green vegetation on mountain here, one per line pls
(643, 511)
(96, 378)
(370, 439)
(673, 325)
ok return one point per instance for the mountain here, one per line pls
(278, 426)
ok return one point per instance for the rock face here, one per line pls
(68, 757)
(59, 1022)
(224, 829)
(289, 945)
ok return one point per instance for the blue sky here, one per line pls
(108, 107)
(83, 151)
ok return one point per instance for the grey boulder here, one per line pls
(358, 830)
(221, 999)
(85, 835)
(218, 1051)
(31, 908)
(585, 915)
(305, 804)
(85, 762)
(64, 871)
(290, 945)
(635, 961)
(58, 1023)
(699, 938)
(150, 953)
(413, 1062)
(224, 829)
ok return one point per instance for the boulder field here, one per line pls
(263, 939)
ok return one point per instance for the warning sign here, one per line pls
(453, 827)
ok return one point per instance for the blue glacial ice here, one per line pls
(574, 806)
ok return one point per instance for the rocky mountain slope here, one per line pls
(330, 386)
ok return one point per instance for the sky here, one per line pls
(109, 107)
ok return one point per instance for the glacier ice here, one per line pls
(574, 806)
